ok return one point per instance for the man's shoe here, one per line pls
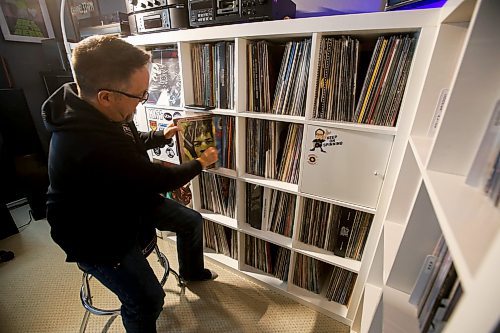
(6, 255)
(207, 275)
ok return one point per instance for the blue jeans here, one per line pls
(188, 226)
(137, 288)
(133, 280)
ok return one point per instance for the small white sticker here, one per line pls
(438, 112)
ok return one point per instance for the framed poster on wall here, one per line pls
(25, 21)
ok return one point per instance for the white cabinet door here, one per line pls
(344, 165)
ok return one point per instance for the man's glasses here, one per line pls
(142, 99)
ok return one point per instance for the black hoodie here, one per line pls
(101, 179)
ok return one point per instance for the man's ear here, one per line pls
(104, 98)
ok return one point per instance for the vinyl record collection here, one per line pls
(309, 272)
(385, 81)
(218, 194)
(382, 91)
(341, 285)
(291, 87)
(213, 74)
(224, 127)
(273, 149)
(263, 62)
(221, 239)
(267, 257)
(284, 92)
(336, 81)
(340, 230)
(281, 212)
(269, 209)
(437, 290)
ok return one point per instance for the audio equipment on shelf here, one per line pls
(157, 15)
(214, 12)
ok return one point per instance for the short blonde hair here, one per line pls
(105, 62)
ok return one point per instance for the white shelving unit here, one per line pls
(431, 196)
(421, 191)
(422, 24)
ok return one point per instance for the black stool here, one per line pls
(86, 296)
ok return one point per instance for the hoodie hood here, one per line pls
(64, 110)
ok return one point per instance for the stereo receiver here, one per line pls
(157, 15)
(213, 12)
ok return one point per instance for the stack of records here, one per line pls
(263, 63)
(267, 257)
(258, 254)
(274, 149)
(336, 79)
(385, 81)
(224, 132)
(281, 212)
(340, 230)
(307, 272)
(341, 285)
(290, 94)
(218, 194)
(220, 239)
(213, 74)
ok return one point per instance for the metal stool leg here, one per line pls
(86, 297)
(85, 321)
(166, 266)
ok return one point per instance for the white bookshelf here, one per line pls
(372, 309)
(431, 196)
(382, 174)
(421, 190)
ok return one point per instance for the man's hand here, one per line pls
(209, 156)
(170, 131)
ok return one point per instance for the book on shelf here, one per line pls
(485, 170)
(439, 252)
(440, 290)
(195, 135)
(165, 86)
(159, 118)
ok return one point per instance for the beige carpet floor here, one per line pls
(39, 294)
